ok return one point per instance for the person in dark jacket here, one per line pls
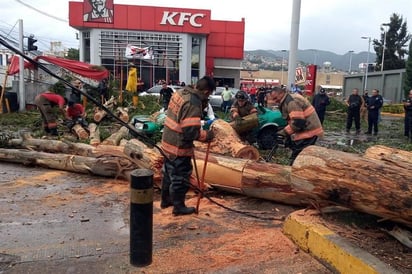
(354, 103)
(181, 127)
(407, 105)
(320, 101)
(374, 104)
(165, 95)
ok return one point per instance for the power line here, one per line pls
(42, 12)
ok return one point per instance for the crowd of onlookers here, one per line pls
(366, 107)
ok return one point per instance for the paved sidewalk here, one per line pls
(304, 228)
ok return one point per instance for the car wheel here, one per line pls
(267, 137)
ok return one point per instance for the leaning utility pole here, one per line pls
(22, 94)
(294, 39)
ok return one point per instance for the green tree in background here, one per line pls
(407, 83)
(73, 54)
(397, 37)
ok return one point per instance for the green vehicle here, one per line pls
(264, 135)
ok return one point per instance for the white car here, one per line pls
(216, 101)
(155, 90)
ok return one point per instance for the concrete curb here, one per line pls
(303, 228)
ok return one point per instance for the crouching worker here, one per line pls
(303, 127)
(76, 115)
(46, 102)
(181, 127)
(243, 115)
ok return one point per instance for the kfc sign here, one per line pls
(175, 18)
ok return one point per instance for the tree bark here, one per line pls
(116, 137)
(390, 156)
(363, 184)
(145, 157)
(228, 142)
(108, 166)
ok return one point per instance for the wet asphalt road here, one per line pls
(58, 222)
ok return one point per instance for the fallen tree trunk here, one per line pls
(108, 166)
(53, 146)
(391, 156)
(228, 142)
(318, 175)
(367, 185)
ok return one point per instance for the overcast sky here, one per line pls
(332, 25)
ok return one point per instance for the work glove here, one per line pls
(210, 136)
(282, 133)
(238, 121)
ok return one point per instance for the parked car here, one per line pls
(216, 100)
(155, 90)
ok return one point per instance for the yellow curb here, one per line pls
(303, 228)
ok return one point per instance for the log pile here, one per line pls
(376, 182)
(111, 104)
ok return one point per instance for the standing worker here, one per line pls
(46, 101)
(131, 85)
(303, 127)
(374, 105)
(355, 103)
(165, 95)
(407, 105)
(181, 127)
(226, 98)
(320, 102)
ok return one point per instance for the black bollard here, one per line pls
(141, 217)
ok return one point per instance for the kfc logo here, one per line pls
(179, 18)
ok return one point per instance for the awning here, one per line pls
(84, 69)
(331, 87)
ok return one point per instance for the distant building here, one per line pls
(186, 44)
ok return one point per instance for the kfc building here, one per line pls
(173, 44)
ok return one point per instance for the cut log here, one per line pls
(255, 179)
(115, 138)
(391, 156)
(122, 114)
(100, 113)
(227, 142)
(363, 184)
(80, 132)
(94, 134)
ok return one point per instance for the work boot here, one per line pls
(179, 207)
(54, 132)
(166, 201)
(182, 209)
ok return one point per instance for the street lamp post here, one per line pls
(350, 61)
(367, 61)
(384, 45)
(283, 60)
